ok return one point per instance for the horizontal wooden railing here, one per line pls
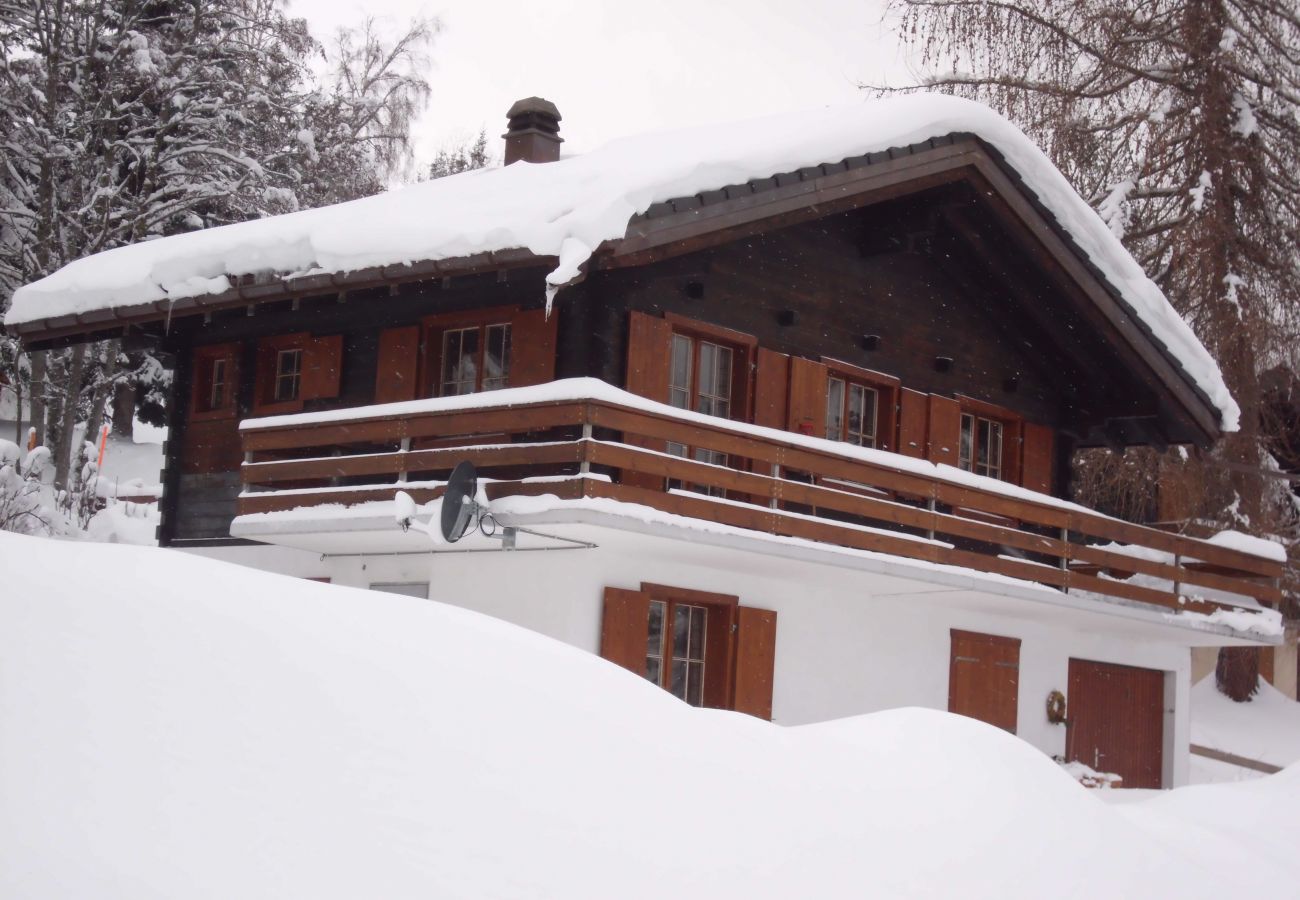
(773, 482)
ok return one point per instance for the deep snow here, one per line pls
(568, 208)
(1265, 729)
(171, 726)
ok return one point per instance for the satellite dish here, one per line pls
(458, 504)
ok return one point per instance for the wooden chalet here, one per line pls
(845, 394)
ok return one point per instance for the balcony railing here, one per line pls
(582, 438)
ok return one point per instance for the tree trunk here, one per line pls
(124, 409)
(67, 425)
(38, 397)
(1237, 673)
(104, 387)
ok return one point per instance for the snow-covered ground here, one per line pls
(127, 487)
(1266, 729)
(171, 726)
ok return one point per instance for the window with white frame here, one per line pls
(675, 649)
(288, 375)
(474, 359)
(980, 449)
(851, 412)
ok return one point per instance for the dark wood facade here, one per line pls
(925, 273)
(880, 290)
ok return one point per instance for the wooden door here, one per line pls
(1116, 721)
(984, 678)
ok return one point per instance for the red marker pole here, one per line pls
(103, 445)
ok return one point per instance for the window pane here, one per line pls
(681, 631)
(995, 449)
(964, 455)
(217, 399)
(695, 684)
(655, 641)
(868, 410)
(715, 380)
(460, 361)
(697, 633)
(288, 369)
(722, 380)
(982, 447)
(835, 409)
(679, 385)
(654, 669)
(496, 363)
(678, 686)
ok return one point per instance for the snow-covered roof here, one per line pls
(567, 209)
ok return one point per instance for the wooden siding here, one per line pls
(1116, 721)
(875, 272)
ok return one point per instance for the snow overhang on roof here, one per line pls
(562, 212)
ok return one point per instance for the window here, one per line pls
(700, 379)
(288, 375)
(215, 383)
(980, 445)
(476, 358)
(294, 369)
(218, 384)
(704, 648)
(851, 412)
(417, 589)
(675, 649)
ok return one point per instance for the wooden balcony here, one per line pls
(582, 439)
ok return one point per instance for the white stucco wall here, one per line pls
(848, 642)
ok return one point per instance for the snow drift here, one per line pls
(568, 208)
(172, 726)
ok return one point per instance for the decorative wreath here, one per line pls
(1056, 708)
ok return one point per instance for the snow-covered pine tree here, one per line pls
(461, 158)
(123, 120)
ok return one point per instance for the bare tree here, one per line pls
(1179, 120)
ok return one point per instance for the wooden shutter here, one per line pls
(396, 373)
(532, 347)
(649, 350)
(625, 627)
(807, 411)
(944, 432)
(1036, 470)
(755, 661)
(771, 388)
(323, 366)
(984, 678)
(913, 414)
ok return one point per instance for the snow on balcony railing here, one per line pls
(773, 481)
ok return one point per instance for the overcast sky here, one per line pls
(621, 68)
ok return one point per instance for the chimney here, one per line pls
(534, 134)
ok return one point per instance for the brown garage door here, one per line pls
(984, 678)
(1116, 721)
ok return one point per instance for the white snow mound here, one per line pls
(567, 208)
(176, 727)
